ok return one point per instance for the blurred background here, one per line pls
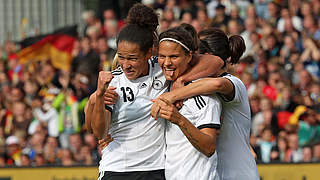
(52, 50)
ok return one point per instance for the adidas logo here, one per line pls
(143, 85)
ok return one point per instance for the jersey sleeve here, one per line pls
(238, 89)
(207, 111)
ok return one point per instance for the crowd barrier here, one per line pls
(303, 171)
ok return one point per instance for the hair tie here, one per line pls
(174, 40)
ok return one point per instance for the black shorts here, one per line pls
(133, 175)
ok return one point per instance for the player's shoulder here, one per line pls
(231, 77)
(155, 67)
(153, 61)
(117, 71)
(201, 103)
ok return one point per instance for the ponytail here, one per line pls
(215, 41)
(237, 48)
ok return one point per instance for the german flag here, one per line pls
(56, 47)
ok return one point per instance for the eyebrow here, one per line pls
(130, 55)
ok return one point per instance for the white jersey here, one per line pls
(139, 141)
(183, 161)
(235, 161)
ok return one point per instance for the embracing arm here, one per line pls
(202, 66)
(203, 86)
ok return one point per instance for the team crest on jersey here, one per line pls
(157, 84)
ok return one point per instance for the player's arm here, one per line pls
(110, 98)
(88, 111)
(202, 66)
(253, 153)
(204, 140)
(203, 86)
(100, 121)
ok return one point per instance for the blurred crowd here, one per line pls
(41, 108)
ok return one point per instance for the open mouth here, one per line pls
(169, 72)
(129, 72)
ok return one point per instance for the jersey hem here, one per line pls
(131, 170)
(214, 126)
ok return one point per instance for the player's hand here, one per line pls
(110, 96)
(105, 141)
(156, 107)
(169, 112)
(104, 79)
(178, 104)
(177, 84)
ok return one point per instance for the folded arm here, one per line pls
(100, 121)
(204, 140)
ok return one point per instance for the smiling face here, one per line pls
(173, 60)
(132, 60)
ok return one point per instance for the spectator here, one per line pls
(262, 8)
(279, 150)
(265, 144)
(185, 18)
(309, 129)
(89, 18)
(85, 156)
(263, 118)
(25, 160)
(294, 152)
(221, 19)
(172, 5)
(316, 153)
(39, 160)
(66, 157)
(250, 27)
(307, 154)
(46, 115)
(91, 142)
(14, 151)
(234, 15)
(273, 13)
(2, 160)
(203, 19)
(286, 16)
(75, 144)
(50, 150)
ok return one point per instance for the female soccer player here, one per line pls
(192, 131)
(233, 150)
(137, 149)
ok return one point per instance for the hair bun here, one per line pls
(143, 16)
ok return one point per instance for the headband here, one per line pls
(174, 40)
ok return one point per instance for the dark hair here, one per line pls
(180, 34)
(192, 32)
(142, 22)
(215, 41)
(143, 16)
